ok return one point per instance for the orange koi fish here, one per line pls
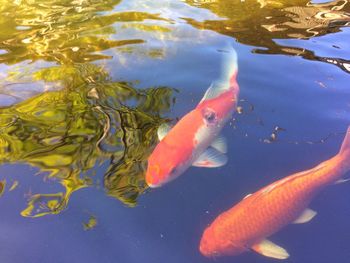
(246, 226)
(195, 139)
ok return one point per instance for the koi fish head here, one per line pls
(212, 246)
(207, 245)
(164, 165)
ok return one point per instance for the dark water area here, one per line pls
(84, 85)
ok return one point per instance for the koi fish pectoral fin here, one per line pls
(211, 158)
(163, 130)
(271, 250)
(305, 216)
(220, 144)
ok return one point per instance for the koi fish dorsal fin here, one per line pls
(345, 147)
(271, 250)
(344, 154)
(305, 216)
(211, 158)
(163, 130)
(247, 196)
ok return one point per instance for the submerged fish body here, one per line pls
(194, 139)
(247, 225)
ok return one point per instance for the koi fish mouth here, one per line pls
(150, 185)
(155, 182)
(151, 182)
(207, 252)
(152, 178)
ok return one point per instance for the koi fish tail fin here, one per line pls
(227, 80)
(229, 67)
(345, 149)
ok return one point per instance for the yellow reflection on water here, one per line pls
(68, 133)
(63, 31)
(260, 23)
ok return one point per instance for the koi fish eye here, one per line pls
(210, 116)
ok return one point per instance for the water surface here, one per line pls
(84, 86)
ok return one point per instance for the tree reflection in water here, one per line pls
(261, 23)
(68, 133)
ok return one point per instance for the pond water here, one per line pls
(84, 85)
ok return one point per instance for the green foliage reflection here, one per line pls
(86, 119)
(91, 121)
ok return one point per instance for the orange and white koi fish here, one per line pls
(195, 139)
(246, 226)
